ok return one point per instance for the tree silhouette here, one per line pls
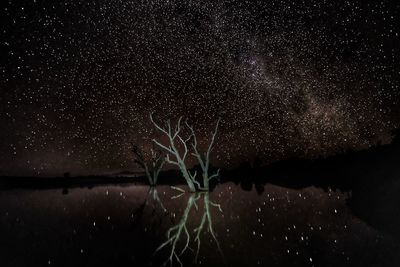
(153, 166)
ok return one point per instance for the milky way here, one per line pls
(301, 78)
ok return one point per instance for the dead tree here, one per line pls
(156, 163)
(173, 136)
(204, 159)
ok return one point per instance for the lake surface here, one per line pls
(129, 226)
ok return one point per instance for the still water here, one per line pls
(140, 226)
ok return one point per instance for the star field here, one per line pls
(78, 79)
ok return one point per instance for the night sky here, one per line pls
(288, 78)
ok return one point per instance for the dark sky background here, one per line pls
(288, 78)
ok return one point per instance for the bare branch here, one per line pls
(160, 164)
(214, 175)
(184, 146)
(198, 231)
(193, 177)
(167, 159)
(206, 218)
(140, 160)
(163, 147)
(213, 138)
(194, 146)
(157, 198)
(178, 189)
(178, 196)
(178, 127)
(204, 160)
(187, 240)
(156, 125)
(216, 205)
(173, 150)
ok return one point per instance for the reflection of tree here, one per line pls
(151, 166)
(152, 195)
(156, 199)
(206, 219)
(175, 232)
(181, 232)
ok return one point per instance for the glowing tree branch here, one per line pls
(181, 233)
(179, 159)
(204, 159)
(206, 219)
(157, 161)
(174, 233)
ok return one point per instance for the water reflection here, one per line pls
(152, 196)
(206, 220)
(124, 226)
(151, 200)
(180, 231)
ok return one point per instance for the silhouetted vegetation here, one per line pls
(152, 166)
